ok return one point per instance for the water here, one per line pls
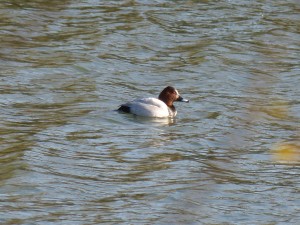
(231, 156)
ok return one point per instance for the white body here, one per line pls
(150, 107)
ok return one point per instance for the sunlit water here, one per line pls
(231, 156)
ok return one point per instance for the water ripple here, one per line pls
(230, 156)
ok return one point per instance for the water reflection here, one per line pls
(66, 155)
(54, 5)
(286, 152)
(11, 159)
(151, 121)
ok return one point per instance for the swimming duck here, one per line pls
(155, 107)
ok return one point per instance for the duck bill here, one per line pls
(180, 99)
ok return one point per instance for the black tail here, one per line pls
(124, 108)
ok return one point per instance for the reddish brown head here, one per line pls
(170, 95)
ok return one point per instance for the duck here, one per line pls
(155, 107)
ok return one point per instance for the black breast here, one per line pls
(124, 108)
